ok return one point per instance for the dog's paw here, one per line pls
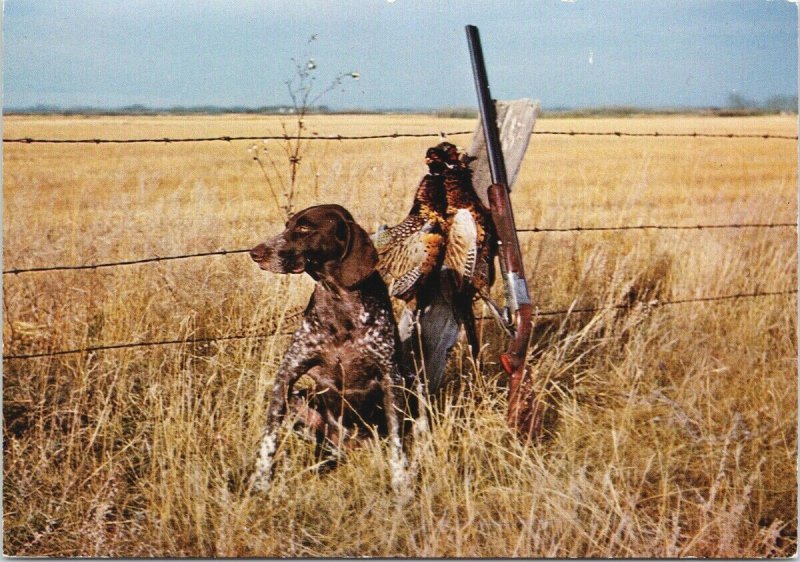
(401, 487)
(401, 481)
(262, 473)
(260, 483)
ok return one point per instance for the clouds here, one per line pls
(410, 53)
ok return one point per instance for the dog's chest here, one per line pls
(348, 329)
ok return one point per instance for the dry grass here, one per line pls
(672, 431)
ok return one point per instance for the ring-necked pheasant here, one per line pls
(438, 258)
(411, 250)
(470, 247)
(471, 242)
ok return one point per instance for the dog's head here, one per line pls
(321, 241)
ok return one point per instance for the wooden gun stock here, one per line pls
(524, 412)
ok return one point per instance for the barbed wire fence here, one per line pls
(229, 138)
(534, 230)
(260, 335)
(223, 252)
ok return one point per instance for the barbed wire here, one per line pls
(659, 134)
(92, 266)
(134, 344)
(661, 227)
(230, 138)
(177, 341)
(128, 345)
(16, 271)
(657, 304)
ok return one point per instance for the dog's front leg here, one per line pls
(390, 382)
(298, 359)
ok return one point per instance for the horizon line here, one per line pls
(446, 111)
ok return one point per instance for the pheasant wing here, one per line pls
(461, 252)
(407, 253)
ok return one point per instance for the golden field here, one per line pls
(671, 431)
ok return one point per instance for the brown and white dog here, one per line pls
(348, 342)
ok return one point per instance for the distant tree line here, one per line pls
(140, 109)
(737, 104)
(773, 104)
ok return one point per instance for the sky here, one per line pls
(408, 53)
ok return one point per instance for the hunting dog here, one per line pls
(348, 342)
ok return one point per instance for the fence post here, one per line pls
(515, 122)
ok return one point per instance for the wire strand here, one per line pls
(229, 138)
(659, 134)
(17, 271)
(661, 227)
(92, 266)
(128, 345)
(658, 304)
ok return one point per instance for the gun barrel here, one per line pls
(486, 106)
(500, 203)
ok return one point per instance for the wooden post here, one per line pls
(515, 122)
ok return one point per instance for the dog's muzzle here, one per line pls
(271, 257)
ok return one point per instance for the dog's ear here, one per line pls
(359, 258)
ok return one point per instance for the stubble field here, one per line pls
(671, 430)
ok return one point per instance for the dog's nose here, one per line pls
(259, 252)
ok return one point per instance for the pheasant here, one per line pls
(470, 247)
(411, 250)
(471, 241)
(438, 259)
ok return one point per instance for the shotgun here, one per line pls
(524, 411)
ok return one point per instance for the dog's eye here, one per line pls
(302, 228)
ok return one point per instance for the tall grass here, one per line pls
(671, 431)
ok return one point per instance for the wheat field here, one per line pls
(670, 431)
